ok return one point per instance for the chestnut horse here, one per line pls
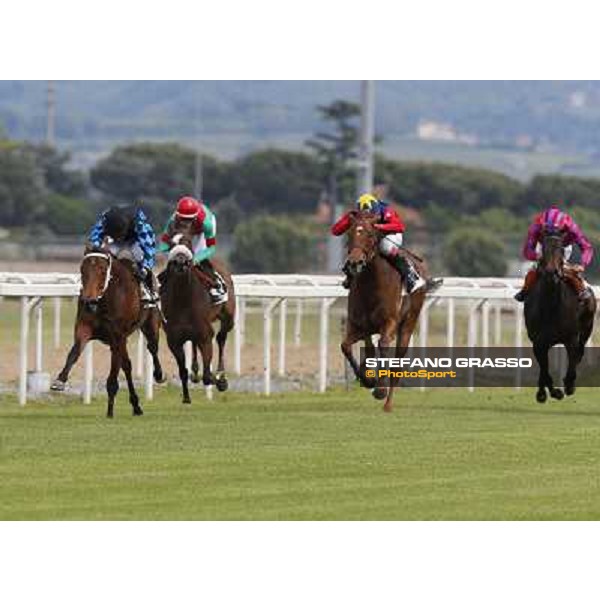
(376, 302)
(554, 315)
(110, 310)
(190, 313)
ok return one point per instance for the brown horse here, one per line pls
(110, 310)
(376, 302)
(190, 313)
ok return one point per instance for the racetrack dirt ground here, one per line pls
(440, 455)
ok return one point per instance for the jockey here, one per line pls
(555, 220)
(127, 228)
(390, 224)
(195, 217)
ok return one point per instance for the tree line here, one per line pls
(277, 190)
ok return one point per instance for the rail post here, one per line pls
(88, 374)
(57, 315)
(268, 308)
(237, 338)
(25, 307)
(39, 336)
(282, 336)
(323, 339)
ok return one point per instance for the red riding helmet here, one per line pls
(188, 207)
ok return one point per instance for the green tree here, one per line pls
(474, 253)
(565, 192)
(69, 216)
(458, 190)
(22, 187)
(58, 177)
(230, 214)
(268, 244)
(336, 147)
(277, 181)
(158, 172)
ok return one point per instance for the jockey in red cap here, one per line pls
(553, 219)
(195, 217)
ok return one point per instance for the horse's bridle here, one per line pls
(108, 275)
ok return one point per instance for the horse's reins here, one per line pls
(108, 275)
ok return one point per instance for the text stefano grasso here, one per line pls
(499, 362)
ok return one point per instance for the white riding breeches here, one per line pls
(390, 243)
(121, 249)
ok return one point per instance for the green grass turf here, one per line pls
(440, 455)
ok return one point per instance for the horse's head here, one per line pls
(553, 252)
(363, 239)
(181, 255)
(96, 269)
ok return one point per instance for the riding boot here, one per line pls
(530, 279)
(348, 280)
(147, 288)
(218, 291)
(410, 275)
(575, 280)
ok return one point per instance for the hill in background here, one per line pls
(517, 127)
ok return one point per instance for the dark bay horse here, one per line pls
(376, 302)
(554, 315)
(110, 310)
(190, 313)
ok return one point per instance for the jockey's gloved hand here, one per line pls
(143, 272)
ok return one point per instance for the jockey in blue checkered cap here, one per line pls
(126, 229)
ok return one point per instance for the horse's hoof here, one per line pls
(541, 396)
(222, 384)
(379, 393)
(109, 415)
(387, 408)
(208, 380)
(159, 378)
(187, 401)
(569, 390)
(58, 385)
(137, 411)
(370, 384)
(557, 394)
(195, 378)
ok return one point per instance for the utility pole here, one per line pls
(198, 175)
(51, 114)
(367, 136)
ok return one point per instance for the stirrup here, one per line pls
(218, 296)
(520, 296)
(585, 294)
(417, 285)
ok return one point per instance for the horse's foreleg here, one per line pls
(151, 331)
(403, 335)
(544, 378)
(226, 327)
(195, 368)
(176, 347)
(383, 389)
(574, 353)
(206, 349)
(126, 366)
(83, 334)
(112, 382)
(351, 338)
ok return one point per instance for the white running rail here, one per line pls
(484, 297)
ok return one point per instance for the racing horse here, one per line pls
(554, 315)
(376, 302)
(110, 309)
(190, 314)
